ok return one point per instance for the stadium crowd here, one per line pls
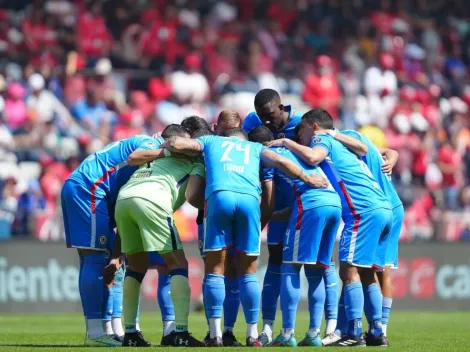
(78, 74)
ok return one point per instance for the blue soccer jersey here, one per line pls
(374, 161)
(287, 131)
(232, 164)
(351, 178)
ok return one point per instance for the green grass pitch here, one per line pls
(408, 331)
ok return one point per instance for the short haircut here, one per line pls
(260, 134)
(265, 96)
(234, 132)
(174, 130)
(319, 116)
(202, 132)
(194, 123)
(229, 118)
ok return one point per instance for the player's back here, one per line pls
(252, 120)
(310, 197)
(374, 161)
(105, 171)
(351, 178)
(232, 164)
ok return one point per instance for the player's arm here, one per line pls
(282, 215)
(274, 160)
(114, 264)
(312, 156)
(143, 156)
(353, 144)
(267, 201)
(195, 191)
(390, 159)
(186, 146)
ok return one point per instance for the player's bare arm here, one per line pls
(282, 215)
(390, 159)
(353, 144)
(195, 191)
(267, 202)
(182, 145)
(272, 159)
(115, 263)
(141, 157)
(312, 156)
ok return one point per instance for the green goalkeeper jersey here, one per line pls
(163, 182)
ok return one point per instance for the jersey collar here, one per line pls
(291, 115)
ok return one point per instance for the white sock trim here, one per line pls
(252, 330)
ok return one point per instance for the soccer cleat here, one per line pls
(330, 339)
(215, 342)
(265, 339)
(181, 339)
(350, 341)
(102, 341)
(229, 340)
(281, 341)
(207, 338)
(380, 341)
(252, 342)
(135, 339)
(311, 341)
(118, 338)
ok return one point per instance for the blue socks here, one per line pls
(231, 302)
(316, 296)
(331, 286)
(164, 298)
(290, 295)
(354, 305)
(90, 283)
(271, 291)
(386, 307)
(373, 308)
(342, 324)
(250, 297)
(214, 295)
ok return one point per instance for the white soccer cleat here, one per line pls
(330, 339)
(102, 341)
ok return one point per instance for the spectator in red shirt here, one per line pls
(321, 88)
(450, 163)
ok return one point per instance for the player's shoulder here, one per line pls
(352, 133)
(251, 121)
(321, 139)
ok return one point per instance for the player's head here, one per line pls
(269, 108)
(260, 134)
(202, 132)
(175, 130)
(314, 120)
(227, 119)
(194, 123)
(235, 132)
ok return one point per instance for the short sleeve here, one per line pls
(204, 141)
(323, 141)
(148, 143)
(267, 174)
(198, 170)
(251, 121)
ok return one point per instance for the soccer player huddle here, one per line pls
(294, 173)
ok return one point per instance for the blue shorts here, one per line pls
(276, 232)
(232, 219)
(155, 259)
(310, 238)
(364, 239)
(391, 258)
(86, 220)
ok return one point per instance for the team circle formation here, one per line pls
(295, 173)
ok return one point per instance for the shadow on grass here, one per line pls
(35, 345)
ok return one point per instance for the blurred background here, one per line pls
(77, 74)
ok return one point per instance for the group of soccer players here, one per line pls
(295, 173)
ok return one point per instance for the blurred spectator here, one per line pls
(15, 107)
(190, 85)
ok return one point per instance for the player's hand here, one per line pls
(169, 143)
(276, 143)
(316, 181)
(387, 167)
(318, 132)
(157, 135)
(109, 272)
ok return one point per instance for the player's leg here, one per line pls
(391, 262)
(83, 231)
(330, 279)
(272, 279)
(352, 287)
(117, 296)
(232, 299)
(246, 239)
(220, 208)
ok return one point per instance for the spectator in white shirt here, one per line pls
(190, 86)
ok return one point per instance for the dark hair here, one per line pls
(260, 134)
(229, 117)
(234, 132)
(194, 123)
(174, 130)
(265, 96)
(319, 116)
(202, 132)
